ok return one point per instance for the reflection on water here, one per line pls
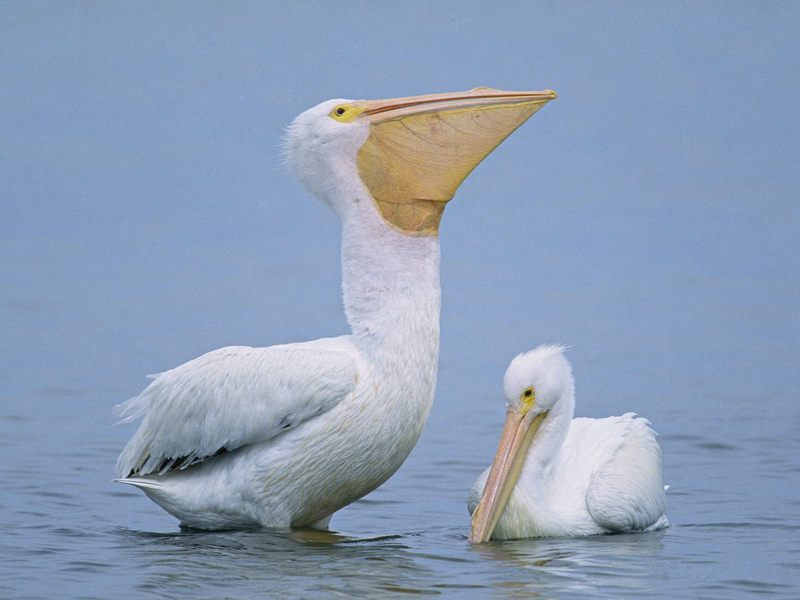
(273, 560)
(624, 564)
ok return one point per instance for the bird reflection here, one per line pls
(239, 562)
(600, 563)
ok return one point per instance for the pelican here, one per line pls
(554, 475)
(286, 435)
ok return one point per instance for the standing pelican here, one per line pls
(558, 476)
(287, 435)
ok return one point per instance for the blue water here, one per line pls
(69, 532)
(648, 218)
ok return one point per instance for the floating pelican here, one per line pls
(558, 476)
(287, 435)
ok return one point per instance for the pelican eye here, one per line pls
(528, 397)
(345, 113)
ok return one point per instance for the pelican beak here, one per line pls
(421, 148)
(517, 437)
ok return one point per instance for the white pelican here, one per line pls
(554, 475)
(287, 435)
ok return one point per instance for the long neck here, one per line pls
(390, 285)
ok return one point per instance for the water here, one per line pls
(69, 531)
(146, 219)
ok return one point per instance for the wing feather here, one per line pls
(232, 397)
(627, 492)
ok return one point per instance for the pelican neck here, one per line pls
(551, 435)
(390, 289)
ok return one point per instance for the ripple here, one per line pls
(414, 591)
(377, 502)
(715, 446)
(749, 525)
(86, 566)
(756, 586)
(15, 418)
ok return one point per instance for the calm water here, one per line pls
(66, 530)
(648, 219)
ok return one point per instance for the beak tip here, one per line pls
(474, 540)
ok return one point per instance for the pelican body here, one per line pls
(554, 475)
(287, 435)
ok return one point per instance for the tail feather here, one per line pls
(141, 483)
(131, 409)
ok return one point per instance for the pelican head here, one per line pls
(534, 384)
(409, 154)
(537, 379)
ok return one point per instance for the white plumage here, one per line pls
(244, 395)
(286, 435)
(559, 476)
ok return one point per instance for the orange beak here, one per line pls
(516, 439)
(421, 148)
